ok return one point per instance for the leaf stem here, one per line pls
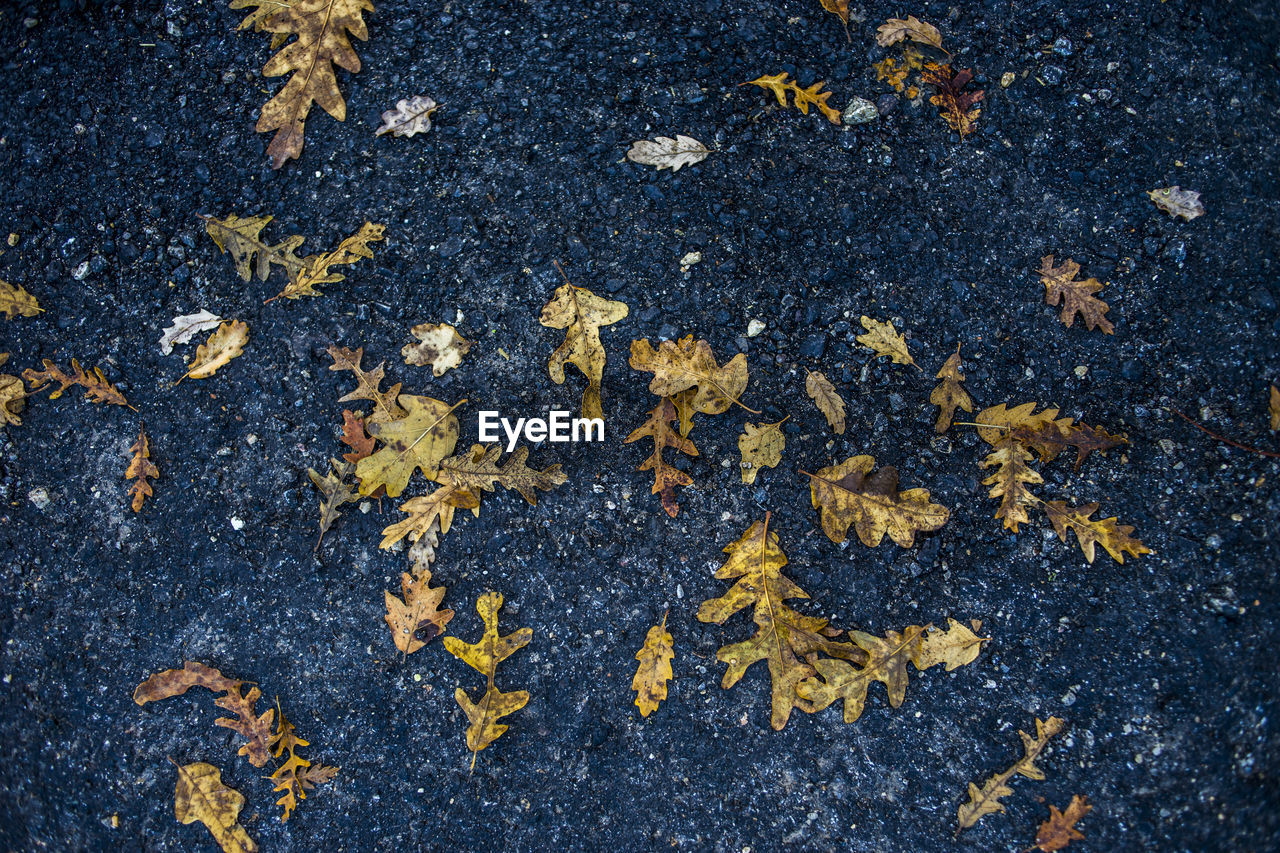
(1222, 438)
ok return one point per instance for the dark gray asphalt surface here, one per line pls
(119, 124)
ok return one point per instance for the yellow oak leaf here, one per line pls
(685, 365)
(201, 796)
(949, 394)
(316, 267)
(886, 341)
(827, 399)
(1076, 297)
(226, 342)
(1060, 829)
(761, 447)
(96, 387)
(433, 510)
(14, 301)
(142, 469)
(295, 775)
(13, 396)
(1113, 537)
(849, 495)
(1010, 481)
(803, 98)
(420, 440)
(954, 647)
(581, 314)
(478, 471)
(240, 237)
(417, 619)
(654, 671)
(986, 800)
(385, 407)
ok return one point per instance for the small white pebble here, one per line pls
(1082, 371)
(39, 497)
(755, 327)
(237, 523)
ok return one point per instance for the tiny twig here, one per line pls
(1224, 439)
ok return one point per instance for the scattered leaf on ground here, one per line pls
(238, 236)
(247, 723)
(827, 399)
(1050, 438)
(316, 269)
(1076, 297)
(13, 396)
(355, 436)
(895, 30)
(256, 20)
(432, 511)
(425, 435)
(439, 346)
(679, 366)
(959, 107)
(581, 314)
(882, 337)
(667, 153)
(224, 344)
(779, 85)
(954, 647)
(336, 489)
(1176, 201)
(295, 775)
(478, 471)
(1060, 829)
(654, 671)
(201, 796)
(97, 388)
(666, 478)
(1113, 537)
(142, 469)
(761, 447)
(949, 394)
(1010, 481)
(986, 800)
(186, 327)
(1273, 406)
(410, 117)
(896, 75)
(385, 407)
(417, 619)
(15, 301)
(848, 495)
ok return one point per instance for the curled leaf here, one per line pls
(667, 153)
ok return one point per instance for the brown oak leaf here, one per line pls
(986, 800)
(97, 388)
(949, 394)
(1076, 297)
(247, 723)
(385, 407)
(1060, 829)
(581, 314)
(895, 30)
(958, 107)
(666, 478)
(688, 365)
(142, 469)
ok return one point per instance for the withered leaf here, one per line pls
(14, 301)
(385, 407)
(848, 495)
(678, 366)
(1076, 297)
(581, 314)
(261, 11)
(295, 775)
(409, 118)
(804, 98)
(896, 75)
(201, 796)
(667, 153)
(428, 512)
(1011, 480)
(422, 438)
(895, 30)
(96, 387)
(839, 8)
(666, 478)
(417, 619)
(224, 344)
(958, 107)
(186, 327)
(355, 436)
(1273, 407)
(439, 346)
(1113, 537)
(1060, 829)
(238, 236)
(654, 671)
(336, 489)
(316, 267)
(986, 800)
(827, 399)
(999, 422)
(1048, 439)
(321, 27)
(949, 394)
(13, 396)
(256, 729)
(142, 469)
(478, 471)
(787, 640)
(885, 340)
(954, 647)
(761, 446)
(1176, 201)
(484, 657)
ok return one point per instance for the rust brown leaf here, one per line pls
(97, 388)
(355, 437)
(666, 478)
(1076, 297)
(958, 107)
(1060, 829)
(417, 619)
(247, 723)
(142, 469)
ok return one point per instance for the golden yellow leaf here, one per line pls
(417, 619)
(1010, 481)
(1115, 538)
(999, 422)
(949, 394)
(1077, 297)
(896, 75)
(666, 478)
(478, 471)
(13, 396)
(385, 407)
(761, 447)
(1273, 406)
(886, 341)
(895, 30)
(96, 387)
(226, 342)
(316, 269)
(439, 346)
(484, 657)
(142, 469)
(955, 647)
(827, 399)
(683, 365)
(321, 27)
(581, 314)
(786, 640)
(1060, 829)
(239, 236)
(654, 671)
(430, 511)
(256, 20)
(986, 800)
(848, 494)
(804, 98)
(421, 439)
(295, 775)
(15, 301)
(201, 796)
(839, 8)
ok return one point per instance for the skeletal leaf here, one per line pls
(1076, 297)
(484, 657)
(13, 396)
(224, 344)
(1176, 201)
(786, 640)
(1010, 481)
(827, 399)
(958, 107)
(321, 27)
(667, 153)
(678, 366)
(1060, 829)
(1113, 537)
(417, 619)
(428, 513)
(96, 387)
(142, 469)
(355, 436)
(295, 775)
(14, 301)
(986, 800)
(654, 671)
(895, 30)
(581, 314)
(409, 118)
(949, 394)
(421, 439)
(385, 407)
(316, 269)
(185, 327)
(666, 478)
(761, 447)
(440, 347)
(803, 98)
(478, 471)
(247, 723)
(201, 796)
(336, 489)
(848, 495)
(238, 236)
(885, 340)
(1273, 407)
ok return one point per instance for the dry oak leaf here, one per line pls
(425, 435)
(1176, 201)
(895, 30)
(666, 478)
(201, 796)
(949, 394)
(295, 775)
(667, 153)
(848, 495)
(1011, 480)
(779, 85)
(256, 20)
(1273, 406)
(787, 640)
(13, 396)
(839, 8)
(1076, 297)
(761, 446)
(885, 340)
(409, 118)
(954, 647)
(1114, 538)
(581, 314)
(896, 75)
(959, 108)
(827, 399)
(142, 469)
(986, 800)
(433, 511)
(14, 301)
(1060, 829)
(321, 27)
(336, 489)
(238, 236)
(97, 388)
(654, 671)
(224, 344)
(355, 437)
(417, 619)
(996, 423)
(247, 723)
(478, 471)
(484, 657)
(439, 346)
(385, 407)
(316, 269)
(1049, 439)
(185, 327)
(679, 366)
